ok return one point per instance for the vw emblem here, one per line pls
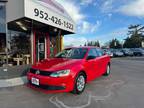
(37, 72)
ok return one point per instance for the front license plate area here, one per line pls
(35, 81)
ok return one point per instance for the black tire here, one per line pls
(108, 71)
(77, 89)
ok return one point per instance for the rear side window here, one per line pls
(93, 52)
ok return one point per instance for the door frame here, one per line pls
(47, 45)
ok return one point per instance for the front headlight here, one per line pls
(61, 73)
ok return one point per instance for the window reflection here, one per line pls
(2, 33)
(18, 48)
(2, 48)
(2, 17)
(2, 42)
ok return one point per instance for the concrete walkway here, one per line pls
(13, 82)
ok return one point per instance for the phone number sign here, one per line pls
(42, 14)
(53, 19)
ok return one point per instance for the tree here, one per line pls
(92, 43)
(135, 30)
(97, 44)
(135, 36)
(106, 44)
(114, 43)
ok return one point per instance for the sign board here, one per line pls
(49, 12)
(45, 11)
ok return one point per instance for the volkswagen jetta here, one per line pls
(69, 70)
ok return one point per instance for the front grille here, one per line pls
(48, 87)
(43, 73)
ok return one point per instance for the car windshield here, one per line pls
(72, 53)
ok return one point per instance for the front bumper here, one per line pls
(50, 84)
(47, 87)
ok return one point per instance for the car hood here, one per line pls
(54, 64)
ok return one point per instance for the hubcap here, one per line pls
(80, 83)
(108, 70)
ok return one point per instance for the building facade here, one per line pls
(30, 31)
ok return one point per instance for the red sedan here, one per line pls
(69, 70)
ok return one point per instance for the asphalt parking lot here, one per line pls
(124, 88)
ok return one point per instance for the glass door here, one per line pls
(40, 47)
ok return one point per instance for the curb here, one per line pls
(13, 82)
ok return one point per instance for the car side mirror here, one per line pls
(90, 57)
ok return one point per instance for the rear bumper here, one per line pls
(50, 84)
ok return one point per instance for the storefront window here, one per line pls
(2, 42)
(2, 33)
(2, 48)
(19, 48)
(2, 17)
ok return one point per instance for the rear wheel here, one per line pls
(79, 85)
(107, 73)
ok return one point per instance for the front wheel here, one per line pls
(107, 73)
(79, 85)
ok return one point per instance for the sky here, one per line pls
(102, 20)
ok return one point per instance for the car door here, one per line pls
(102, 61)
(92, 64)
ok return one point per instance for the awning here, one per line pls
(45, 11)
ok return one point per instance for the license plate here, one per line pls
(35, 81)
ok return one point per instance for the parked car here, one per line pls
(108, 52)
(137, 51)
(127, 52)
(118, 53)
(142, 49)
(69, 70)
